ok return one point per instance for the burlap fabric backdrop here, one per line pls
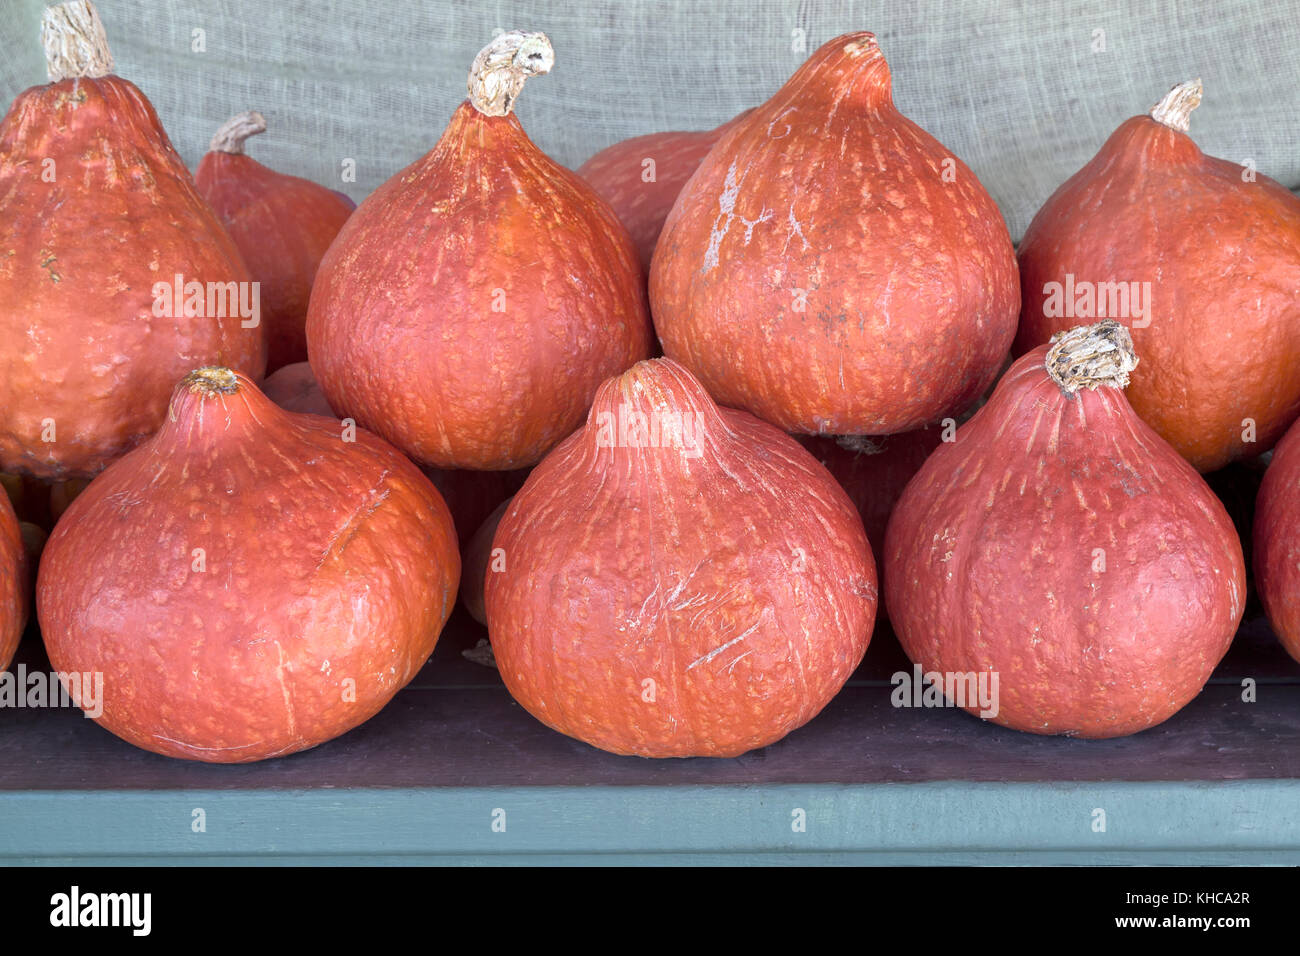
(1024, 92)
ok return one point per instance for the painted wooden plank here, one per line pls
(1240, 821)
(1043, 858)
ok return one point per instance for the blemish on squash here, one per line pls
(47, 259)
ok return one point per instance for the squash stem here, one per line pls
(230, 138)
(1175, 109)
(498, 73)
(1090, 356)
(74, 41)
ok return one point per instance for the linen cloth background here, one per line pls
(1019, 89)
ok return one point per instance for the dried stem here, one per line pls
(1090, 356)
(234, 131)
(861, 444)
(1175, 110)
(212, 380)
(500, 69)
(74, 41)
(480, 653)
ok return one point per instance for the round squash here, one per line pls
(295, 389)
(1200, 258)
(118, 277)
(473, 303)
(14, 577)
(475, 560)
(1062, 549)
(250, 582)
(282, 224)
(831, 267)
(1276, 560)
(679, 579)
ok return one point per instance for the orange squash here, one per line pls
(831, 267)
(118, 278)
(1200, 259)
(282, 224)
(679, 579)
(473, 303)
(249, 582)
(1062, 555)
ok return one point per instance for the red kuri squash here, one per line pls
(118, 277)
(250, 582)
(1062, 548)
(473, 303)
(1200, 257)
(282, 224)
(831, 267)
(679, 579)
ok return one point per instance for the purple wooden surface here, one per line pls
(455, 726)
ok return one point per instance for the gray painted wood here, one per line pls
(1243, 821)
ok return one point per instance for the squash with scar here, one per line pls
(831, 267)
(250, 582)
(678, 579)
(641, 177)
(1060, 557)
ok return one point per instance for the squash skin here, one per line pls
(325, 561)
(283, 225)
(904, 252)
(991, 561)
(1151, 207)
(401, 329)
(469, 495)
(79, 257)
(616, 174)
(739, 581)
(1277, 523)
(15, 574)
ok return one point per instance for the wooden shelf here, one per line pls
(1219, 782)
